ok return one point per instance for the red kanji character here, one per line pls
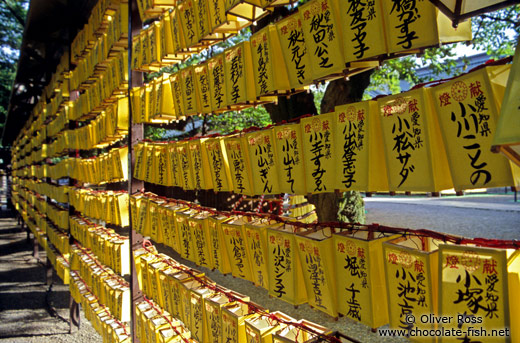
(271, 239)
(489, 267)
(387, 111)
(293, 134)
(474, 89)
(444, 99)
(287, 244)
(279, 135)
(392, 258)
(342, 117)
(419, 266)
(412, 106)
(361, 253)
(284, 30)
(326, 125)
(452, 261)
(307, 15)
(226, 231)
(266, 139)
(341, 247)
(316, 251)
(324, 6)
(361, 115)
(307, 128)
(302, 246)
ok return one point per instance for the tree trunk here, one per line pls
(346, 206)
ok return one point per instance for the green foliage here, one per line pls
(351, 208)
(495, 33)
(12, 21)
(238, 120)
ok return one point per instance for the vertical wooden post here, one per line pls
(135, 134)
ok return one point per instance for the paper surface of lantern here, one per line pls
(409, 26)
(360, 280)
(240, 82)
(315, 248)
(318, 147)
(285, 272)
(295, 52)
(467, 109)
(185, 172)
(506, 138)
(191, 98)
(235, 243)
(415, 155)
(219, 256)
(289, 157)
(359, 147)
(256, 243)
(218, 80)
(199, 164)
(239, 166)
(477, 287)
(323, 38)
(362, 29)
(411, 264)
(218, 164)
(202, 80)
(198, 225)
(268, 64)
(185, 239)
(177, 95)
(263, 162)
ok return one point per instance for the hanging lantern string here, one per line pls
(371, 228)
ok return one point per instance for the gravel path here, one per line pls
(29, 312)
(487, 216)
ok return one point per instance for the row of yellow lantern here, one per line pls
(344, 272)
(426, 140)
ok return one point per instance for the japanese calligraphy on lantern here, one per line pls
(219, 257)
(188, 89)
(217, 84)
(198, 225)
(218, 164)
(316, 255)
(295, 53)
(362, 27)
(256, 238)
(173, 166)
(185, 239)
(239, 73)
(360, 281)
(351, 142)
(409, 135)
(318, 147)
(322, 37)
(189, 22)
(269, 69)
(199, 165)
(285, 274)
(177, 94)
(474, 291)
(289, 156)
(236, 149)
(467, 111)
(203, 88)
(263, 162)
(416, 24)
(411, 280)
(183, 162)
(236, 248)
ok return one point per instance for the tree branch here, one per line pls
(507, 20)
(19, 19)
